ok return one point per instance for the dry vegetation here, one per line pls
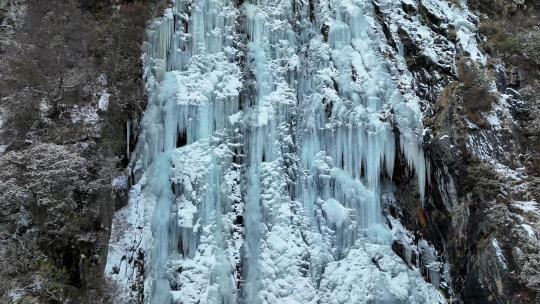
(508, 38)
(476, 91)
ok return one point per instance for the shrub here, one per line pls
(499, 37)
(477, 95)
(489, 27)
(452, 34)
(483, 181)
(506, 44)
(22, 113)
(533, 48)
(25, 300)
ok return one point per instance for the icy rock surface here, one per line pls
(257, 175)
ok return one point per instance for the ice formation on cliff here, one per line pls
(257, 175)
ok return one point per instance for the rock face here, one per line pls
(482, 210)
(69, 82)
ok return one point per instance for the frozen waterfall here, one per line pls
(270, 134)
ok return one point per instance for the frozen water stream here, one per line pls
(258, 170)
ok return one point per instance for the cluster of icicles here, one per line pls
(254, 107)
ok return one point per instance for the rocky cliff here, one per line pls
(483, 210)
(69, 84)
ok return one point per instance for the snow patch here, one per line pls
(498, 253)
(120, 182)
(527, 206)
(86, 114)
(103, 102)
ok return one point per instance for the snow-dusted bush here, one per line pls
(477, 94)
